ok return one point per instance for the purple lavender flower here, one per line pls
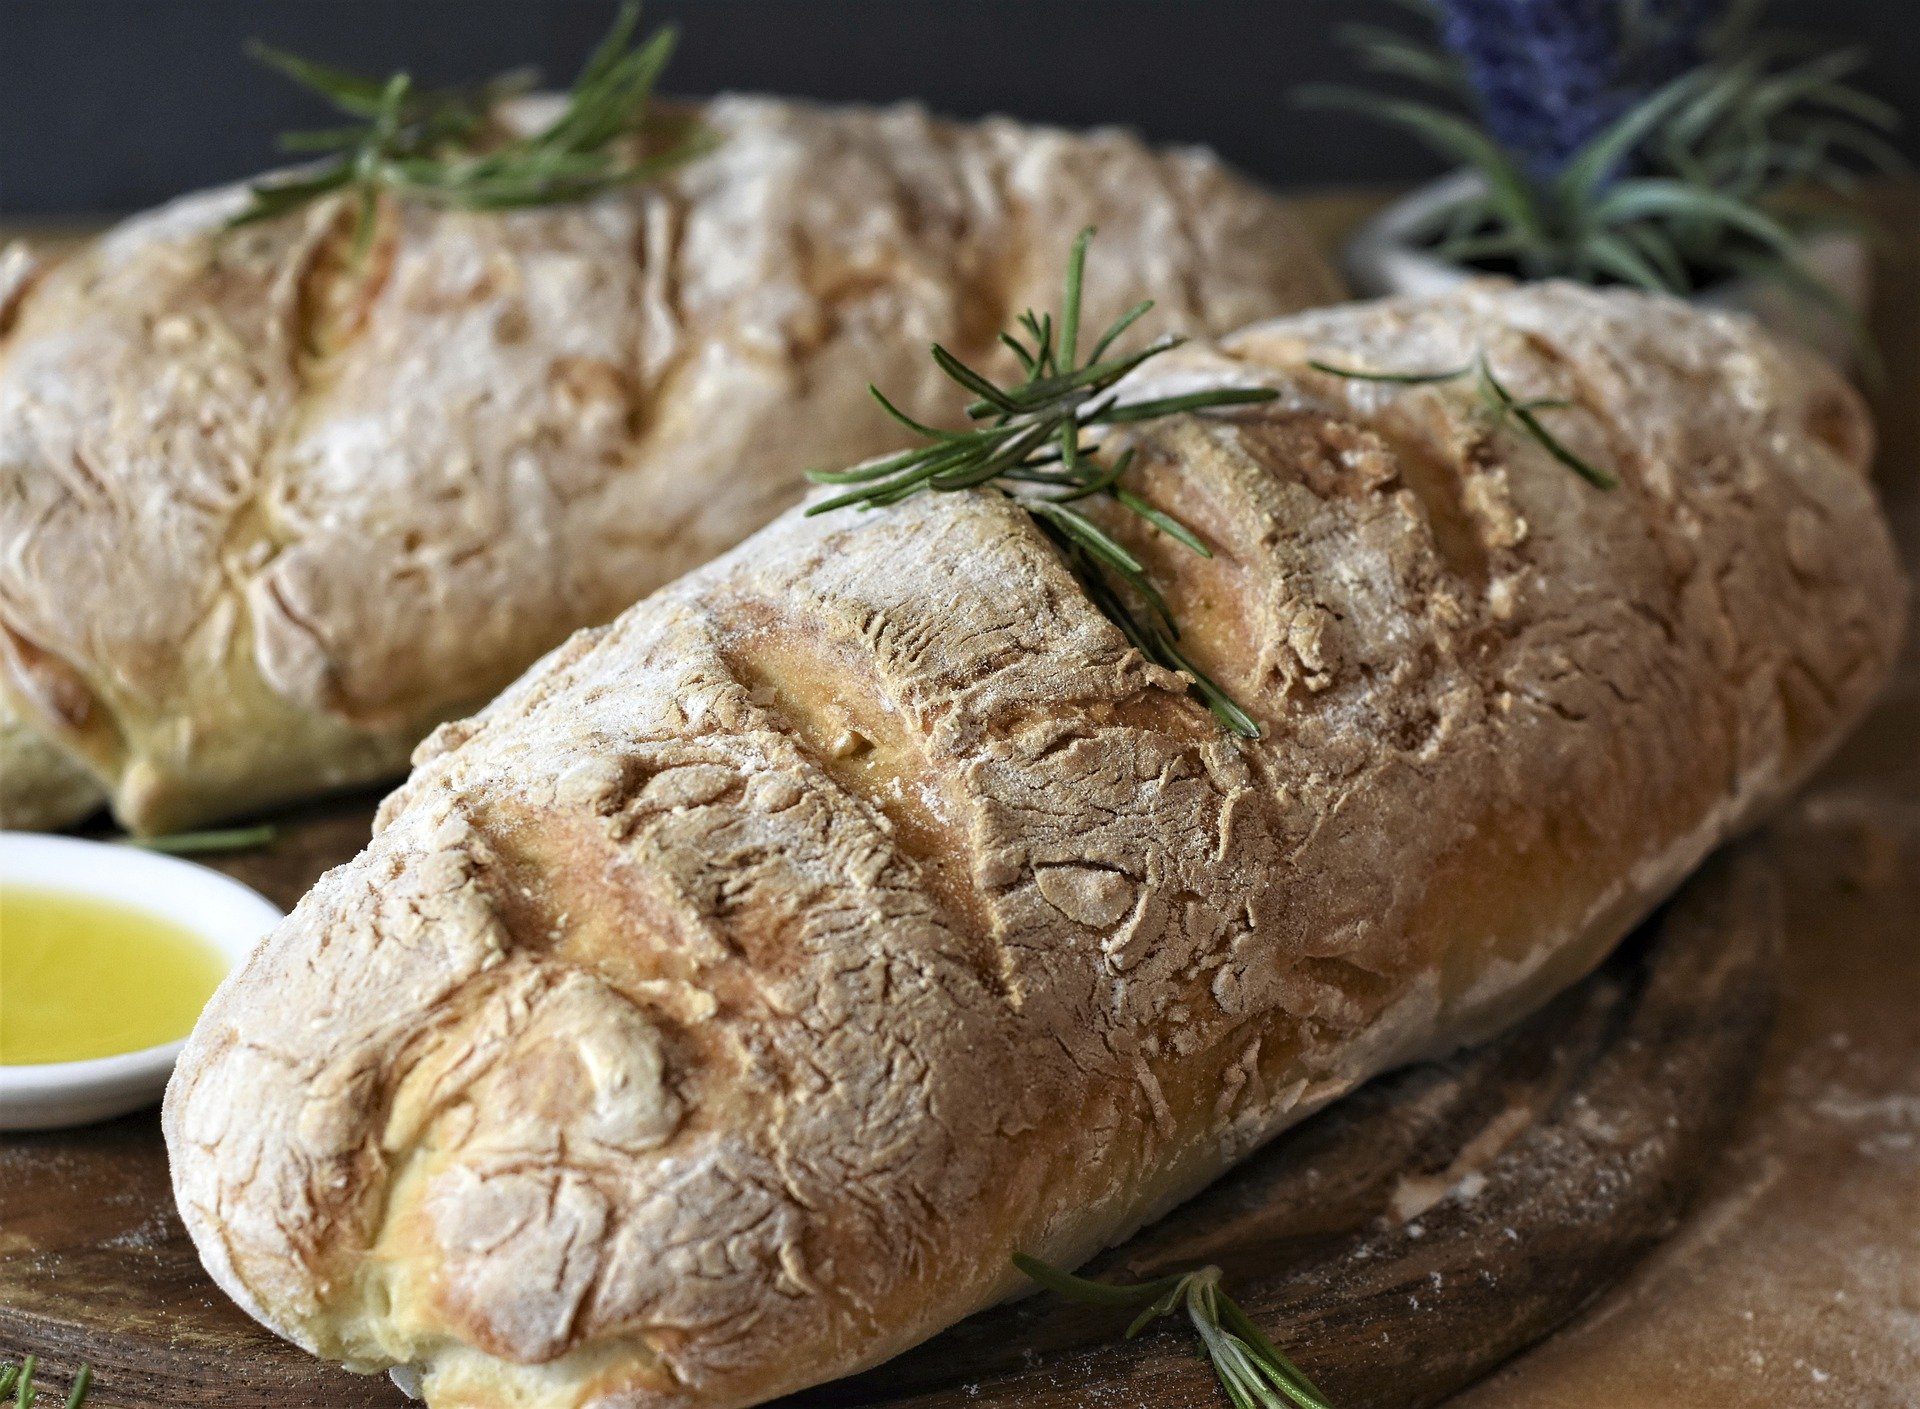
(1662, 39)
(1552, 73)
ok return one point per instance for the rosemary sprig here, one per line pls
(1500, 403)
(17, 1380)
(197, 843)
(1031, 449)
(443, 146)
(1250, 1367)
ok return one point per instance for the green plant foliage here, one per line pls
(1695, 183)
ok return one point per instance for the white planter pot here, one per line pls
(1389, 255)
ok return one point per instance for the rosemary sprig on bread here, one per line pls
(445, 146)
(1032, 448)
(1501, 405)
(1250, 1367)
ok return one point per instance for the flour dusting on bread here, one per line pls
(274, 511)
(715, 1012)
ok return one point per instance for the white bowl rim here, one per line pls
(228, 915)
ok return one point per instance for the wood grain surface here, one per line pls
(1795, 1282)
(1497, 1192)
(1552, 1158)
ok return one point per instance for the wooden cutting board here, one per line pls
(1496, 1193)
(1626, 1085)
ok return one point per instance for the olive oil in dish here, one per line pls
(84, 977)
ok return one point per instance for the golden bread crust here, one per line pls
(716, 1012)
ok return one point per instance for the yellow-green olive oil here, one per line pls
(82, 977)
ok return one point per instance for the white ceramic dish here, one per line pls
(226, 914)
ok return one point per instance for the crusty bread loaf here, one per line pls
(270, 515)
(42, 784)
(717, 1011)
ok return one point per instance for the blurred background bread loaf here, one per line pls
(275, 506)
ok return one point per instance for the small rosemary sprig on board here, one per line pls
(199, 843)
(443, 146)
(1501, 405)
(17, 1380)
(1031, 450)
(1250, 1367)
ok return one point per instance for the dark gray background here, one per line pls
(109, 105)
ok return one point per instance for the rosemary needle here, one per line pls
(17, 1380)
(1031, 450)
(193, 843)
(1250, 1367)
(443, 146)
(1501, 405)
